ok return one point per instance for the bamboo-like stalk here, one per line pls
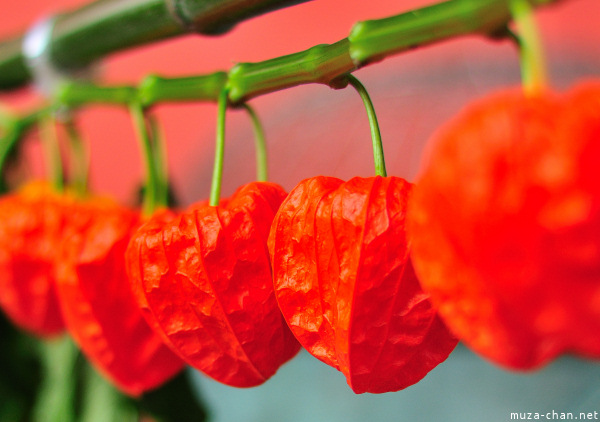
(368, 42)
(106, 26)
(90, 33)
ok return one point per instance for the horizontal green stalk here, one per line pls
(319, 64)
(368, 42)
(154, 89)
(104, 27)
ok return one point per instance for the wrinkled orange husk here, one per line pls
(31, 221)
(133, 265)
(344, 282)
(505, 225)
(99, 307)
(206, 280)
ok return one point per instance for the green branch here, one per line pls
(369, 41)
(103, 27)
(376, 39)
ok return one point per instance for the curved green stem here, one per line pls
(215, 189)
(533, 62)
(145, 143)
(262, 171)
(375, 132)
(51, 144)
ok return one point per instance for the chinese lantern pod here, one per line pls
(207, 282)
(505, 225)
(99, 307)
(30, 226)
(153, 225)
(345, 284)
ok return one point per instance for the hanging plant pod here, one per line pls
(98, 305)
(31, 221)
(206, 281)
(345, 284)
(505, 225)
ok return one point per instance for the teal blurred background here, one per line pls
(465, 388)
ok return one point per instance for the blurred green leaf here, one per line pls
(102, 402)
(56, 397)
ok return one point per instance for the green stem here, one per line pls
(375, 132)
(79, 159)
(262, 171)
(51, 144)
(11, 135)
(145, 144)
(160, 161)
(215, 189)
(533, 62)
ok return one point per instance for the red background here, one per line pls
(310, 129)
